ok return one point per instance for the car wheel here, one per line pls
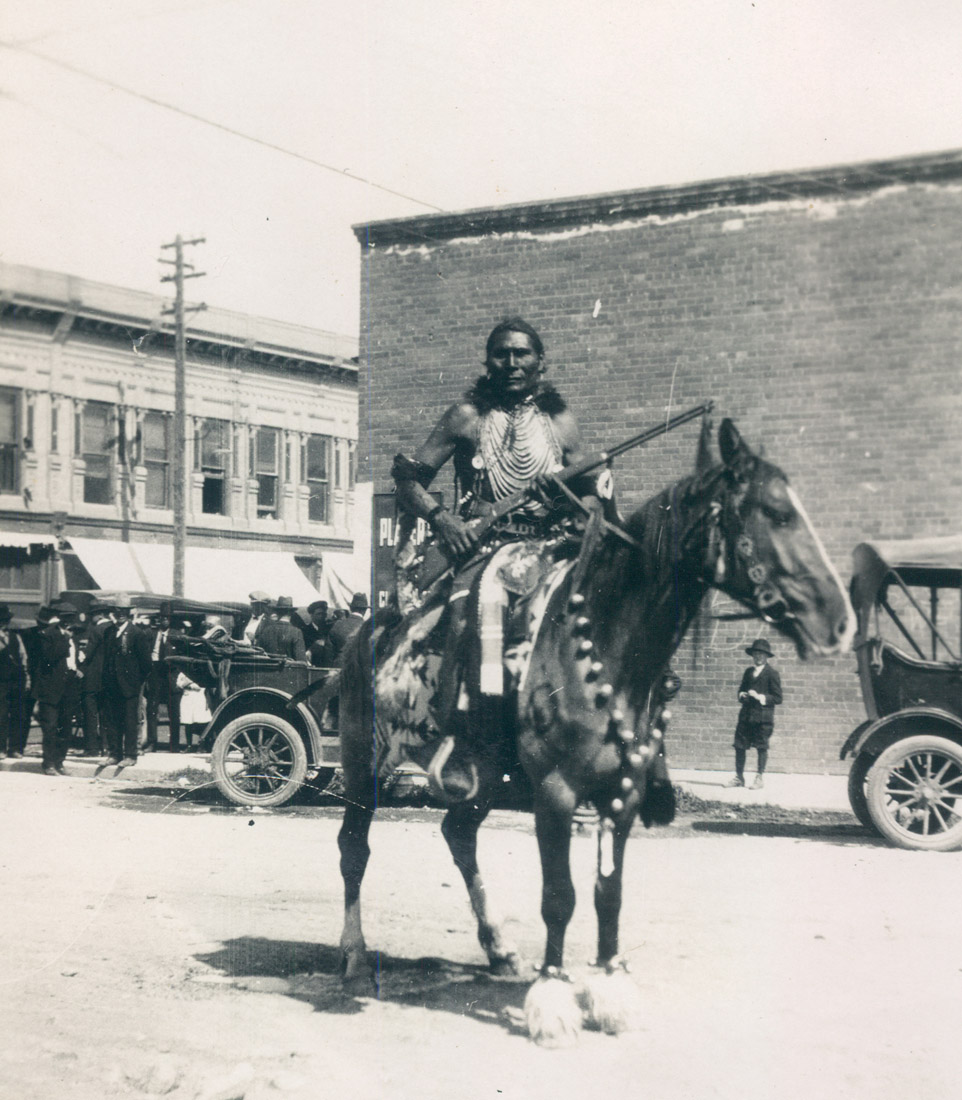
(259, 760)
(914, 793)
(857, 798)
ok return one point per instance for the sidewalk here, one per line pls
(151, 767)
(791, 792)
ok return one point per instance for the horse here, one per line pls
(587, 714)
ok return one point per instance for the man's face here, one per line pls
(758, 657)
(514, 365)
(319, 616)
(258, 609)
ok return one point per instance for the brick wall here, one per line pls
(829, 329)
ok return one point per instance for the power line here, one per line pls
(213, 123)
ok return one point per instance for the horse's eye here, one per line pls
(781, 517)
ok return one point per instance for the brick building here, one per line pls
(86, 439)
(821, 310)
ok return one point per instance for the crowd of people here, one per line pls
(104, 674)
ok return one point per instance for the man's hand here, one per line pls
(456, 536)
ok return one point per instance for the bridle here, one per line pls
(731, 553)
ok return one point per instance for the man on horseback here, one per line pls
(508, 435)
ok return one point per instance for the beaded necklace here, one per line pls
(515, 446)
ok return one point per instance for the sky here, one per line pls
(270, 127)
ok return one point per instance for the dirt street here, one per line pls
(155, 947)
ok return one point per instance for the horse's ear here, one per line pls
(704, 460)
(734, 450)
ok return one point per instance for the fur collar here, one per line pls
(484, 397)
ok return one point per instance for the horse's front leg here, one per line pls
(551, 1008)
(612, 839)
(460, 830)
(610, 999)
(353, 845)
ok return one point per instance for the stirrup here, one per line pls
(436, 781)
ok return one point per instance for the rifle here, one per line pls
(481, 524)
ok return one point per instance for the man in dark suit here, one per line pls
(280, 636)
(344, 630)
(14, 683)
(161, 685)
(57, 684)
(759, 693)
(31, 643)
(315, 631)
(127, 662)
(99, 627)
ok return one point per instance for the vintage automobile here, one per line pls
(267, 734)
(905, 779)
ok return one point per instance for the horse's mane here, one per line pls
(666, 520)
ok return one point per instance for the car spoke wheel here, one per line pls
(259, 760)
(914, 793)
(857, 796)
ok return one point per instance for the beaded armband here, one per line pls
(407, 469)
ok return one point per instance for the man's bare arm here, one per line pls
(414, 476)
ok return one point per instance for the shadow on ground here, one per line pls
(828, 832)
(310, 972)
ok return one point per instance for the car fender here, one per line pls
(253, 699)
(875, 736)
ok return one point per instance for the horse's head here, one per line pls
(766, 554)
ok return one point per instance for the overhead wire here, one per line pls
(223, 127)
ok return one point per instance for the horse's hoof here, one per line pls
(358, 978)
(552, 1012)
(507, 966)
(611, 1002)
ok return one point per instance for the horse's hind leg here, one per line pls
(460, 830)
(352, 842)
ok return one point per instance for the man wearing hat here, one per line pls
(126, 668)
(99, 627)
(315, 631)
(260, 602)
(14, 684)
(57, 683)
(280, 636)
(344, 630)
(759, 693)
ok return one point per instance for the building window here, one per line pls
(316, 475)
(212, 458)
(8, 441)
(23, 576)
(264, 467)
(351, 464)
(96, 436)
(155, 456)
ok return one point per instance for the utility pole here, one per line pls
(182, 271)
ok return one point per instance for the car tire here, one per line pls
(259, 760)
(857, 796)
(914, 793)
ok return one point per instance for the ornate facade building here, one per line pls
(87, 440)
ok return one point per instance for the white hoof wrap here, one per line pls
(552, 1013)
(611, 1001)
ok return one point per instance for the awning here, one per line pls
(20, 540)
(340, 579)
(210, 573)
